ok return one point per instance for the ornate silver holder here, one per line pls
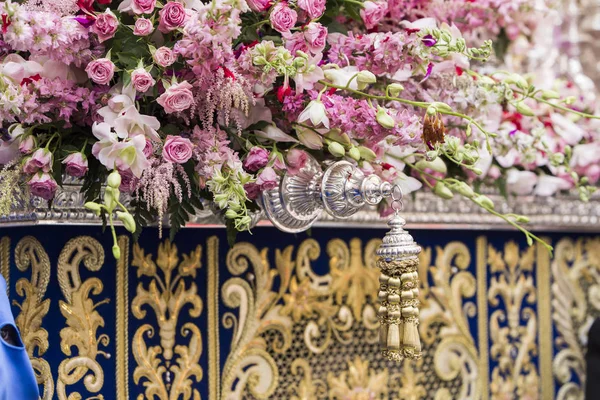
(341, 190)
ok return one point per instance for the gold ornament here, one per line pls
(399, 289)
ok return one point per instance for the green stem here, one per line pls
(51, 139)
(358, 3)
(488, 209)
(558, 106)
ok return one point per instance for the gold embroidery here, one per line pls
(34, 308)
(358, 382)
(445, 316)
(350, 276)
(544, 321)
(249, 364)
(82, 317)
(411, 381)
(513, 329)
(122, 324)
(308, 388)
(214, 365)
(166, 295)
(5, 261)
(575, 304)
(482, 318)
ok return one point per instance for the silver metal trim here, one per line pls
(425, 210)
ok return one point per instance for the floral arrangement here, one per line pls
(180, 101)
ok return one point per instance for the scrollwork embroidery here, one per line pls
(168, 370)
(82, 318)
(30, 252)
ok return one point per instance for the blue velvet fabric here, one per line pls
(17, 380)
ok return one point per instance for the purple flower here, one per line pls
(41, 159)
(257, 158)
(43, 185)
(267, 179)
(177, 149)
(76, 165)
(428, 41)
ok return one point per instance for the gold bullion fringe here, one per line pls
(399, 309)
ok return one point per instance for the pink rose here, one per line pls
(26, 146)
(142, 80)
(256, 159)
(41, 159)
(296, 160)
(177, 98)
(148, 149)
(101, 71)
(129, 182)
(171, 17)
(143, 6)
(252, 190)
(105, 26)
(295, 41)
(372, 13)
(267, 179)
(259, 5)
(177, 150)
(283, 18)
(314, 8)
(43, 185)
(76, 165)
(143, 27)
(164, 56)
(316, 36)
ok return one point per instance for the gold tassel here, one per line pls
(399, 294)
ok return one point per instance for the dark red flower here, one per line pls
(5, 22)
(283, 92)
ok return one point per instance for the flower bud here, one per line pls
(550, 94)
(570, 100)
(127, 220)
(366, 77)
(431, 110)
(464, 190)
(557, 159)
(230, 214)
(394, 89)
(517, 80)
(116, 250)
(522, 219)
(336, 149)
(309, 138)
(484, 201)
(354, 153)
(477, 171)
(442, 191)
(441, 106)
(111, 196)
(524, 109)
(114, 179)
(437, 165)
(486, 80)
(95, 207)
(384, 119)
(366, 153)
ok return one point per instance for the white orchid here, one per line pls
(520, 183)
(341, 76)
(316, 113)
(113, 153)
(131, 123)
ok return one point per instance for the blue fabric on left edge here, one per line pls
(17, 380)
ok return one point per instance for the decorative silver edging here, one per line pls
(425, 210)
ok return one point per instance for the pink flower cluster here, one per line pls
(357, 118)
(46, 34)
(380, 53)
